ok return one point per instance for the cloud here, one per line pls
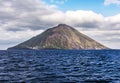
(20, 15)
(35, 15)
(10, 38)
(22, 19)
(108, 2)
(76, 18)
(110, 38)
(113, 21)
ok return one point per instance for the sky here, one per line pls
(22, 19)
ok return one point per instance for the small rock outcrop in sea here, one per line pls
(60, 37)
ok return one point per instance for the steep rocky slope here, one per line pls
(60, 37)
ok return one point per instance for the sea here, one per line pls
(60, 66)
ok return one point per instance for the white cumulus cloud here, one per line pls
(108, 2)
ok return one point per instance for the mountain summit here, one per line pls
(60, 37)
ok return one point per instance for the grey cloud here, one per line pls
(25, 15)
(110, 38)
(34, 14)
(88, 25)
(17, 15)
(6, 42)
(106, 36)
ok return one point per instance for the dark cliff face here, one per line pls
(60, 37)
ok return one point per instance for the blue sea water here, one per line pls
(60, 66)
